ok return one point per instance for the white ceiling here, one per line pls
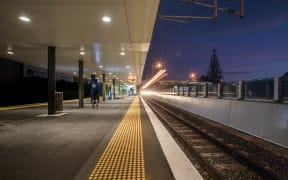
(71, 24)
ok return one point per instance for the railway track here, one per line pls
(218, 155)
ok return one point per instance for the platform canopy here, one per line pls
(116, 48)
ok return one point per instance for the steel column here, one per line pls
(81, 84)
(103, 87)
(51, 80)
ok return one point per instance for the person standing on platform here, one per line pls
(95, 92)
(109, 92)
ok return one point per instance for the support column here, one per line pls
(196, 90)
(51, 80)
(81, 84)
(205, 90)
(220, 90)
(122, 89)
(114, 88)
(278, 89)
(103, 87)
(119, 88)
(92, 77)
(241, 94)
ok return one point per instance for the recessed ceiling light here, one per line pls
(10, 52)
(82, 53)
(122, 53)
(24, 18)
(101, 66)
(127, 67)
(106, 19)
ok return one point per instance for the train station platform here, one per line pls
(120, 140)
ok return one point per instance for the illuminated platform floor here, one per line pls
(116, 141)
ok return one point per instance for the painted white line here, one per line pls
(180, 165)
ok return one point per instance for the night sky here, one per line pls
(252, 47)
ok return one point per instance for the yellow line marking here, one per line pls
(123, 158)
(22, 106)
(31, 105)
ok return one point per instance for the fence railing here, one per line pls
(269, 89)
(259, 89)
(230, 89)
(284, 89)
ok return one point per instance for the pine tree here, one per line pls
(214, 73)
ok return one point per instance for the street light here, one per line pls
(193, 76)
(157, 65)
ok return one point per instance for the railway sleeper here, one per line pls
(212, 154)
(228, 166)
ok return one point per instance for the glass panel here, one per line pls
(230, 89)
(212, 90)
(259, 89)
(174, 90)
(193, 90)
(201, 90)
(185, 91)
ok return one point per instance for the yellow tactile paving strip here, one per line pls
(124, 158)
(5, 108)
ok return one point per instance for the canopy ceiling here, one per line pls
(75, 25)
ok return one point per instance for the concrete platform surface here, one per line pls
(69, 146)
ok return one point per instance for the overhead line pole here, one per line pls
(241, 8)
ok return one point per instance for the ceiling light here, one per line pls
(127, 67)
(24, 18)
(74, 73)
(122, 53)
(106, 19)
(101, 66)
(10, 52)
(82, 53)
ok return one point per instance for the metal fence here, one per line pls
(230, 89)
(212, 90)
(269, 89)
(259, 89)
(285, 88)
